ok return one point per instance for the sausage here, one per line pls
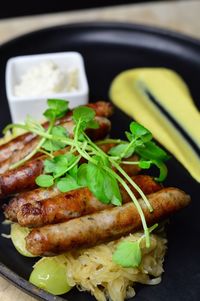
(7, 149)
(146, 183)
(40, 194)
(23, 177)
(69, 126)
(101, 108)
(18, 155)
(79, 202)
(11, 209)
(108, 224)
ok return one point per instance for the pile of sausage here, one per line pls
(60, 222)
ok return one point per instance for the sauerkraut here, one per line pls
(93, 270)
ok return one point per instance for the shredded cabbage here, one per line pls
(93, 270)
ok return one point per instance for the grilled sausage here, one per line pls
(79, 202)
(105, 225)
(11, 209)
(7, 150)
(39, 194)
(23, 177)
(21, 146)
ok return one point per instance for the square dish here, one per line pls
(69, 82)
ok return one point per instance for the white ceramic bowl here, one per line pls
(35, 105)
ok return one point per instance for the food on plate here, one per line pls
(167, 107)
(82, 198)
(50, 275)
(46, 78)
(11, 209)
(21, 146)
(18, 235)
(105, 225)
(75, 203)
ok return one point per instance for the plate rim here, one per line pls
(157, 30)
(5, 272)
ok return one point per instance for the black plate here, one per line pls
(108, 49)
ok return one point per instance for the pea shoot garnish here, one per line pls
(82, 163)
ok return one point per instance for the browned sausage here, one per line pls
(147, 184)
(79, 202)
(7, 150)
(23, 177)
(105, 225)
(11, 209)
(40, 194)
(16, 149)
(18, 155)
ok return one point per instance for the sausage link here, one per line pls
(19, 154)
(79, 202)
(7, 150)
(11, 209)
(23, 177)
(105, 225)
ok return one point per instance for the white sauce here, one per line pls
(46, 78)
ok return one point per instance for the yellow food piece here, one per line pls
(172, 94)
(18, 235)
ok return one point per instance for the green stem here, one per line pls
(29, 156)
(94, 146)
(11, 126)
(41, 150)
(133, 184)
(82, 152)
(130, 162)
(123, 154)
(110, 141)
(135, 201)
(35, 150)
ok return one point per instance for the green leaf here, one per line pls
(162, 169)
(129, 136)
(50, 114)
(67, 183)
(57, 132)
(73, 172)
(49, 166)
(95, 182)
(62, 164)
(57, 108)
(111, 189)
(60, 105)
(139, 131)
(120, 149)
(128, 254)
(44, 180)
(144, 164)
(103, 185)
(152, 151)
(59, 164)
(85, 114)
(82, 175)
(115, 201)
